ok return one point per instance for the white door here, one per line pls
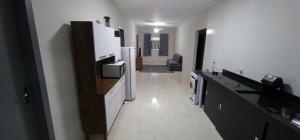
(133, 72)
(20, 101)
(126, 57)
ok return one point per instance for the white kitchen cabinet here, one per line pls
(100, 42)
(123, 89)
(101, 99)
(113, 102)
(119, 95)
(105, 42)
(116, 46)
(113, 43)
(108, 109)
(110, 35)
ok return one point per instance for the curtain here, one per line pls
(164, 45)
(147, 44)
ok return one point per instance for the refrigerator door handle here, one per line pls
(124, 68)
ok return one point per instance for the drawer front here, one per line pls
(109, 96)
(230, 114)
(113, 102)
(123, 90)
(109, 109)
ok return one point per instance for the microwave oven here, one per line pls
(114, 70)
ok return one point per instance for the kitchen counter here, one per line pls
(104, 85)
(282, 107)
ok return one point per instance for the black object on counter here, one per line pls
(107, 21)
(215, 73)
(272, 83)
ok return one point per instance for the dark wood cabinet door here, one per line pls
(280, 131)
(233, 117)
(213, 104)
(242, 121)
(238, 116)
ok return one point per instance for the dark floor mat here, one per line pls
(155, 69)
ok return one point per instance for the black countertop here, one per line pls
(279, 106)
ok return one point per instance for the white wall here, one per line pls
(260, 36)
(186, 41)
(154, 59)
(130, 32)
(52, 20)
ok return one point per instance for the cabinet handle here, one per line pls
(256, 138)
(220, 106)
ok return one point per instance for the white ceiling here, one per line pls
(172, 12)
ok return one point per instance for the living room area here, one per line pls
(156, 53)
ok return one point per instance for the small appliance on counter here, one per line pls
(272, 83)
(194, 96)
(114, 70)
(201, 90)
(107, 21)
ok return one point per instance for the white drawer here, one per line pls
(113, 102)
(108, 97)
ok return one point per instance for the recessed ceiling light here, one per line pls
(210, 31)
(154, 100)
(159, 23)
(156, 23)
(156, 30)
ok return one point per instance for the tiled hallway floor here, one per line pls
(161, 111)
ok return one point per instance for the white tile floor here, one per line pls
(161, 111)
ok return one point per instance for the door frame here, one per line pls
(27, 36)
(198, 32)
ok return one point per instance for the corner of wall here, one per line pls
(186, 40)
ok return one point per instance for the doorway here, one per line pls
(200, 49)
(24, 106)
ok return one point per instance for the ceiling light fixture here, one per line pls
(156, 30)
(159, 23)
(210, 31)
(154, 100)
(156, 23)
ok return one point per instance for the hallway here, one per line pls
(161, 111)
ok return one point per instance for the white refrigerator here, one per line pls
(128, 55)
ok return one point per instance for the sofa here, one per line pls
(175, 64)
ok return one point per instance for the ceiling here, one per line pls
(170, 12)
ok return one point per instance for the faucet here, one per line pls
(241, 71)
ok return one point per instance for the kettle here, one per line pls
(272, 83)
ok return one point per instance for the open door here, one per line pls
(24, 107)
(200, 48)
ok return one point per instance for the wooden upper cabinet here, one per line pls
(100, 99)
